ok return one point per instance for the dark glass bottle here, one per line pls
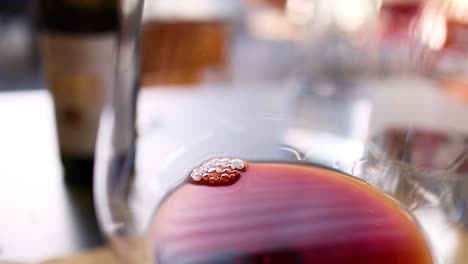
(78, 45)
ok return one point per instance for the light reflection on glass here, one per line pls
(270, 24)
(457, 9)
(432, 28)
(352, 15)
(300, 11)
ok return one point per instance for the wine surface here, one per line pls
(281, 213)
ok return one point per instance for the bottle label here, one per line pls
(80, 70)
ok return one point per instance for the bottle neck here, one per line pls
(73, 16)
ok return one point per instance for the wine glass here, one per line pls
(292, 131)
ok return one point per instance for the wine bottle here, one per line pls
(78, 45)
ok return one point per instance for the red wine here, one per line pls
(397, 16)
(281, 213)
(402, 8)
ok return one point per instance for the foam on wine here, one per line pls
(283, 213)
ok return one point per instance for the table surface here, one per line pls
(42, 217)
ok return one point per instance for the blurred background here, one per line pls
(42, 217)
(19, 67)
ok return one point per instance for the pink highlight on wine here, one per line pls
(284, 213)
